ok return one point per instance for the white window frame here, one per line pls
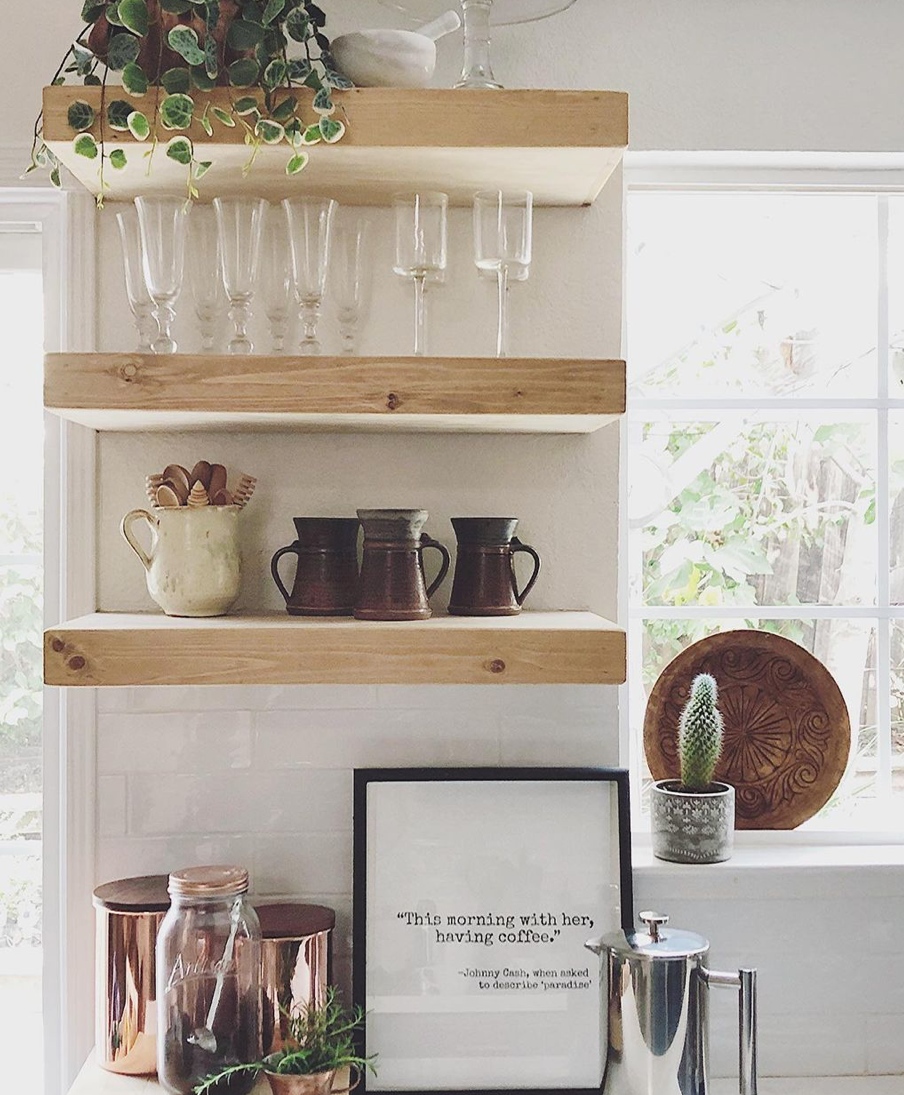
(67, 226)
(880, 175)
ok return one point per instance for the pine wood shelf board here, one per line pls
(173, 391)
(562, 145)
(115, 649)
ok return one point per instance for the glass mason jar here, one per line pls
(208, 980)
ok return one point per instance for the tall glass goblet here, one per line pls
(240, 222)
(277, 284)
(163, 223)
(205, 274)
(140, 303)
(351, 276)
(421, 233)
(310, 222)
(503, 233)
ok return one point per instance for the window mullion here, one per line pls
(883, 633)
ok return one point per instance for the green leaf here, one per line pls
(134, 79)
(323, 101)
(285, 110)
(134, 16)
(58, 82)
(83, 58)
(176, 80)
(270, 132)
(176, 111)
(205, 123)
(297, 163)
(85, 145)
(298, 25)
(123, 49)
(80, 115)
(211, 61)
(331, 130)
(243, 34)
(92, 10)
(176, 7)
(118, 114)
(299, 69)
(201, 80)
(91, 80)
(312, 135)
(273, 8)
(223, 117)
(180, 149)
(55, 177)
(201, 169)
(275, 73)
(185, 42)
(337, 80)
(246, 105)
(118, 159)
(112, 15)
(139, 126)
(244, 72)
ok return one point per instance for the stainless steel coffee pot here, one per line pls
(658, 1001)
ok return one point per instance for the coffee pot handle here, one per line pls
(274, 568)
(428, 541)
(745, 982)
(518, 546)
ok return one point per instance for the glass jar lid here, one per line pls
(214, 881)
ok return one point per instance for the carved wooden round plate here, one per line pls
(787, 731)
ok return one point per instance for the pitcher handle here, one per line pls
(428, 541)
(745, 982)
(125, 527)
(357, 1080)
(274, 568)
(518, 546)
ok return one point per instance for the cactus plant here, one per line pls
(700, 735)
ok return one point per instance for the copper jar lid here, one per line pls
(216, 881)
(144, 894)
(290, 921)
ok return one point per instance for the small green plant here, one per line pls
(169, 53)
(700, 735)
(319, 1039)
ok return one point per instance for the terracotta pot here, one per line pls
(485, 583)
(392, 584)
(326, 577)
(318, 1083)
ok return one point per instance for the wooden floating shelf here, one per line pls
(562, 145)
(456, 394)
(150, 649)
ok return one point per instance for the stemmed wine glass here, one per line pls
(503, 231)
(163, 223)
(205, 274)
(276, 277)
(421, 230)
(140, 303)
(310, 223)
(239, 224)
(350, 276)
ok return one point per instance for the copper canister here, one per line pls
(128, 915)
(296, 963)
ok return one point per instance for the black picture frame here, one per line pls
(365, 777)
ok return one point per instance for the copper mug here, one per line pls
(392, 584)
(485, 583)
(326, 576)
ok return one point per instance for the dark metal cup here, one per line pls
(485, 583)
(326, 577)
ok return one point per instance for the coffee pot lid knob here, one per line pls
(654, 921)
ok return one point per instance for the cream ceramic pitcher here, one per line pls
(194, 564)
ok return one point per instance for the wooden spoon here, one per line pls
(178, 474)
(167, 497)
(217, 480)
(222, 498)
(200, 473)
(178, 487)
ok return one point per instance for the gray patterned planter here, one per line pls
(692, 827)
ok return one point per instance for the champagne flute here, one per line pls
(140, 303)
(421, 232)
(205, 274)
(351, 276)
(310, 222)
(277, 284)
(163, 224)
(239, 224)
(503, 232)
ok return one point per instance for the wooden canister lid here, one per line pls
(146, 894)
(291, 921)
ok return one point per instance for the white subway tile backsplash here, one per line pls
(111, 805)
(125, 857)
(206, 741)
(510, 698)
(237, 697)
(303, 863)
(885, 1044)
(568, 736)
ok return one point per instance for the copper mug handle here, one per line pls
(518, 546)
(428, 541)
(274, 568)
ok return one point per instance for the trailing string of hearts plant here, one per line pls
(172, 52)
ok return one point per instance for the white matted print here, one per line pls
(480, 889)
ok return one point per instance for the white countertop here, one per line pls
(95, 1081)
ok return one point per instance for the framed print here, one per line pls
(475, 890)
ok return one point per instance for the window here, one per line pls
(21, 608)
(766, 448)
